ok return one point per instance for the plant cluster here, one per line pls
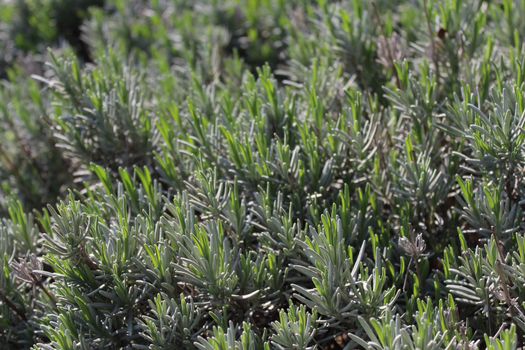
(262, 174)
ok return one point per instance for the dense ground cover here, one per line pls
(262, 174)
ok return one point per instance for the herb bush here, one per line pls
(262, 174)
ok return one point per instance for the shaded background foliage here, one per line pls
(256, 174)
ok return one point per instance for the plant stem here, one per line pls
(432, 39)
(12, 306)
(389, 50)
(503, 280)
(46, 291)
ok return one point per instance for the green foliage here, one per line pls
(262, 174)
(295, 328)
